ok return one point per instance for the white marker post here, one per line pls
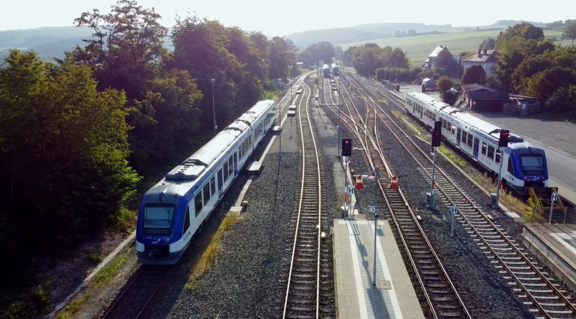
(552, 200)
(454, 212)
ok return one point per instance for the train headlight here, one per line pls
(167, 238)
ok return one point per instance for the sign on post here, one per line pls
(554, 197)
(454, 210)
(372, 209)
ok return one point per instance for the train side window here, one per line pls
(498, 157)
(213, 186)
(225, 168)
(186, 220)
(206, 192)
(470, 138)
(220, 179)
(198, 203)
(510, 167)
(484, 148)
(491, 152)
(230, 165)
(464, 137)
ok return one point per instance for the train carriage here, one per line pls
(173, 209)
(524, 165)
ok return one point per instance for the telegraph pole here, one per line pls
(436, 141)
(502, 143)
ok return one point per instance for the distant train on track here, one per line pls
(173, 210)
(335, 69)
(326, 71)
(524, 164)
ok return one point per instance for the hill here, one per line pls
(419, 47)
(27, 38)
(362, 32)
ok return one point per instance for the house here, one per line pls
(300, 65)
(485, 58)
(429, 63)
(482, 98)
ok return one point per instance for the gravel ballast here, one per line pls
(488, 295)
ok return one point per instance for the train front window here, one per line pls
(532, 164)
(158, 220)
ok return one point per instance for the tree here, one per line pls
(338, 52)
(474, 74)
(446, 61)
(412, 32)
(444, 84)
(570, 32)
(319, 51)
(63, 160)
(563, 100)
(488, 44)
(544, 84)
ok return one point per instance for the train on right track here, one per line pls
(524, 165)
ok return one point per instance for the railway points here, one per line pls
(524, 272)
(393, 296)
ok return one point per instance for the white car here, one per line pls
(299, 91)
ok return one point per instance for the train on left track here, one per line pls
(524, 165)
(326, 71)
(172, 211)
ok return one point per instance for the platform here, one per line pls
(356, 298)
(555, 245)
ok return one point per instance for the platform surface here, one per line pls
(559, 237)
(356, 297)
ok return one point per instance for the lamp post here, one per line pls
(338, 126)
(213, 106)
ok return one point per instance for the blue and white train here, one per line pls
(173, 210)
(326, 71)
(524, 164)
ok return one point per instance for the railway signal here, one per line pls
(346, 147)
(436, 139)
(437, 134)
(503, 141)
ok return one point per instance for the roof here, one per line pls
(475, 87)
(488, 95)
(490, 57)
(516, 96)
(436, 51)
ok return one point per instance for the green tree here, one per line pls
(488, 44)
(570, 32)
(474, 74)
(544, 84)
(412, 32)
(444, 84)
(320, 51)
(64, 156)
(563, 100)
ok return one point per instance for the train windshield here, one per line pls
(158, 219)
(532, 164)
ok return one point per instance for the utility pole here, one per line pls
(375, 220)
(339, 115)
(436, 141)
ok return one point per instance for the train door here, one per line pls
(476, 147)
(220, 182)
(421, 111)
(458, 134)
(235, 163)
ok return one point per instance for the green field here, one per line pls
(418, 48)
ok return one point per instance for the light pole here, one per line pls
(338, 126)
(375, 220)
(213, 106)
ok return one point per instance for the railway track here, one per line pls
(307, 285)
(542, 293)
(435, 290)
(133, 300)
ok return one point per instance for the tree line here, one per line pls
(83, 136)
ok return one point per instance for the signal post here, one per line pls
(436, 141)
(502, 143)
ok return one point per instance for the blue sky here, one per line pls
(285, 17)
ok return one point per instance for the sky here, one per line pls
(285, 17)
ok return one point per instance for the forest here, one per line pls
(83, 137)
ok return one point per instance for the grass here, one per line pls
(382, 100)
(452, 156)
(206, 261)
(73, 307)
(418, 48)
(110, 270)
(415, 128)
